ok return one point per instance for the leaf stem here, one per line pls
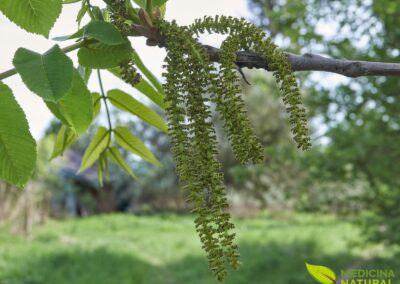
(91, 15)
(149, 7)
(67, 49)
(103, 96)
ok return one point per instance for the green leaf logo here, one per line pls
(322, 274)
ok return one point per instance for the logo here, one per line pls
(325, 275)
(322, 274)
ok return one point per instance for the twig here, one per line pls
(313, 62)
(103, 96)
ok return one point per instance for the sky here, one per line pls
(12, 37)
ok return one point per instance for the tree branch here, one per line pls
(306, 62)
(313, 62)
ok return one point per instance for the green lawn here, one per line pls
(124, 249)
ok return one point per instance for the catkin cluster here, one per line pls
(190, 76)
(119, 15)
(192, 83)
(129, 73)
(118, 11)
(248, 37)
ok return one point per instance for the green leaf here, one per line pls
(163, 10)
(141, 3)
(102, 168)
(145, 88)
(131, 143)
(146, 72)
(35, 16)
(76, 108)
(55, 110)
(104, 32)
(85, 73)
(64, 139)
(159, 3)
(117, 158)
(82, 12)
(97, 13)
(156, 3)
(17, 146)
(98, 144)
(322, 274)
(48, 75)
(127, 103)
(70, 1)
(100, 172)
(96, 104)
(102, 56)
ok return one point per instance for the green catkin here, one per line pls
(192, 83)
(118, 16)
(189, 75)
(129, 73)
(254, 39)
(231, 107)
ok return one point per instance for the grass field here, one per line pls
(125, 249)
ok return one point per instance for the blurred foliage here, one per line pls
(108, 249)
(290, 179)
(361, 115)
(156, 189)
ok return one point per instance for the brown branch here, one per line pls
(313, 62)
(306, 62)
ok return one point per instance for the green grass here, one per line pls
(125, 249)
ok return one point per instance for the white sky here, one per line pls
(12, 37)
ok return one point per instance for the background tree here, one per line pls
(360, 115)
